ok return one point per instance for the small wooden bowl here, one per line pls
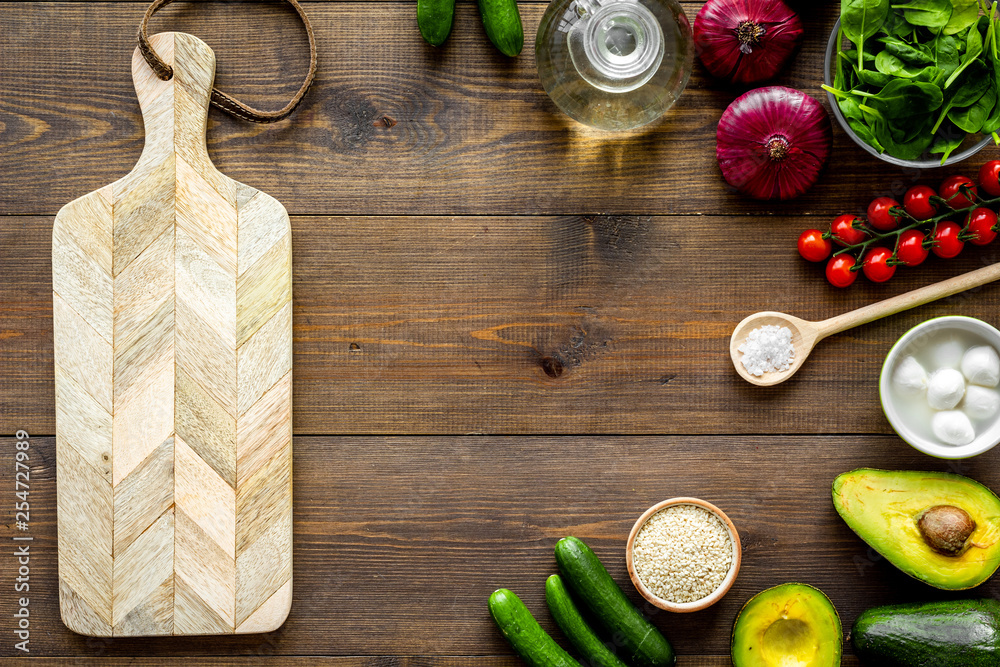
(716, 595)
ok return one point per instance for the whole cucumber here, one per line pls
(503, 25)
(434, 18)
(573, 625)
(524, 634)
(590, 583)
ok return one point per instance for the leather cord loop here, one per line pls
(220, 99)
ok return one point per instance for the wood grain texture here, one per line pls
(453, 325)
(399, 541)
(488, 317)
(471, 132)
(160, 337)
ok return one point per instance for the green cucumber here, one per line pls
(503, 25)
(524, 634)
(590, 583)
(434, 19)
(569, 620)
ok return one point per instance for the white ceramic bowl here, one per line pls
(911, 342)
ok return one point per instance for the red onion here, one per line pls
(746, 41)
(772, 142)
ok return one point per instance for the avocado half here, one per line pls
(790, 624)
(890, 510)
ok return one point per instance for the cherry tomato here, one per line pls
(917, 202)
(876, 265)
(979, 225)
(951, 192)
(989, 177)
(843, 230)
(813, 246)
(910, 250)
(879, 216)
(946, 241)
(838, 271)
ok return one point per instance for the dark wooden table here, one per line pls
(508, 328)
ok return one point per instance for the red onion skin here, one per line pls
(718, 45)
(772, 142)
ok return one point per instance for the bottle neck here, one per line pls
(616, 45)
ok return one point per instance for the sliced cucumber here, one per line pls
(591, 584)
(573, 625)
(521, 629)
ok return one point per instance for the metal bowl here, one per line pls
(831, 54)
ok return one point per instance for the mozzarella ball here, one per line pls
(948, 354)
(910, 377)
(953, 427)
(981, 366)
(980, 402)
(945, 389)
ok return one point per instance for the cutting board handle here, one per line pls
(175, 112)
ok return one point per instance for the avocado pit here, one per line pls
(946, 529)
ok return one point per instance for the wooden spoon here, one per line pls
(805, 334)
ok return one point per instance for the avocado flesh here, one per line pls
(949, 633)
(791, 625)
(883, 507)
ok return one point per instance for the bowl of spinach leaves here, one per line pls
(916, 84)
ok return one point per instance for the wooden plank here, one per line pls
(471, 132)
(529, 324)
(399, 541)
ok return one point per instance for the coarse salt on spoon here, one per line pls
(805, 334)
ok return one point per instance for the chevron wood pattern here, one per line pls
(172, 308)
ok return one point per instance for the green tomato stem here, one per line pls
(874, 236)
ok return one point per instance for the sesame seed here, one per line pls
(682, 553)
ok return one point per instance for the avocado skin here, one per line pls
(949, 633)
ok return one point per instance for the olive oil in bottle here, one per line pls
(614, 64)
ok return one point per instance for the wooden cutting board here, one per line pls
(172, 309)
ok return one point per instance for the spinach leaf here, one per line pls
(934, 14)
(916, 55)
(852, 56)
(931, 74)
(865, 134)
(992, 124)
(973, 49)
(887, 63)
(946, 141)
(908, 141)
(945, 50)
(904, 98)
(861, 19)
(973, 118)
(897, 26)
(965, 14)
(973, 83)
(873, 78)
(851, 109)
